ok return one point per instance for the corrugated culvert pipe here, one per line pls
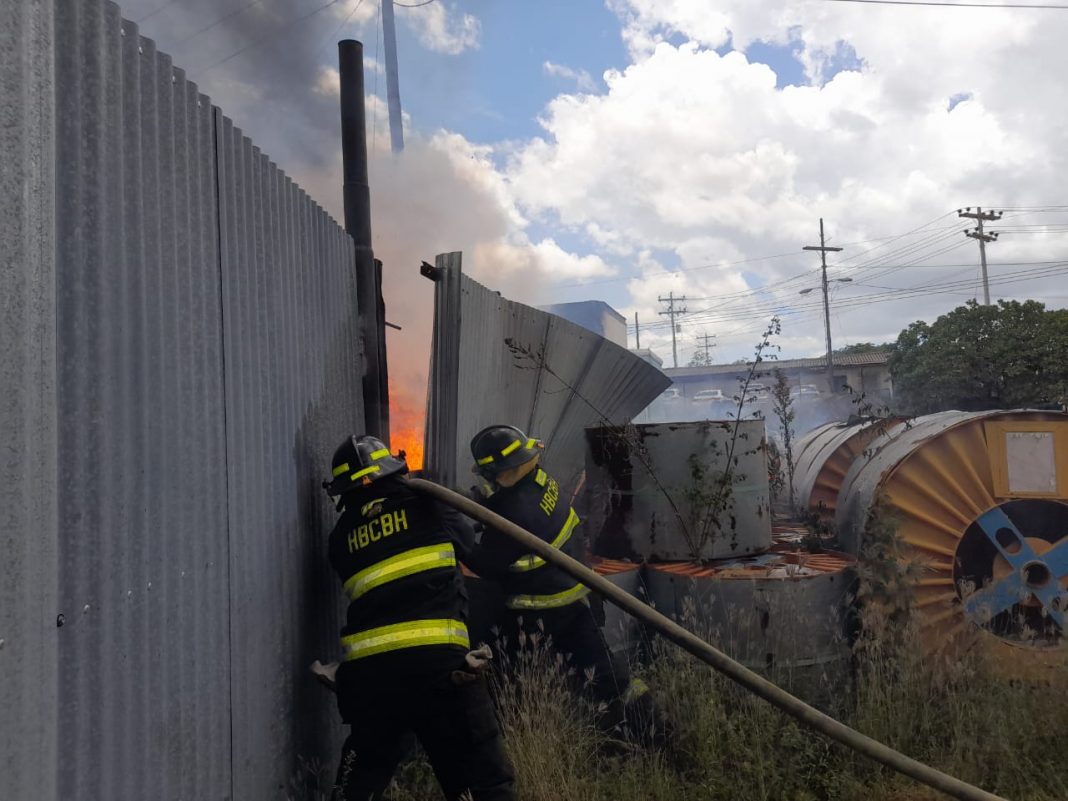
(706, 653)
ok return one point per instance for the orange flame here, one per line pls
(406, 424)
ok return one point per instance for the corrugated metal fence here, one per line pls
(180, 357)
(544, 373)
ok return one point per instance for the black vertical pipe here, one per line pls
(357, 196)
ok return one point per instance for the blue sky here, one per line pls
(692, 158)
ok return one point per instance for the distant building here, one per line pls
(596, 316)
(862, 372)
(647, 355)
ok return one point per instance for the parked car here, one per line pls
(757, 392)
(706, 395)
(671, 393)
(804, 389)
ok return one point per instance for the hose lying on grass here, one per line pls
(702, 650)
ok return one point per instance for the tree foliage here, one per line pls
(863, 347)
(983, 357)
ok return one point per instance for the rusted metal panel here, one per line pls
(28, 513)
(498, 361)
(650, 489)
(772, 611)
(623, 634)
(293, 391)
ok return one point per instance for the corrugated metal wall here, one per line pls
(28, 580)
(203, 317)
(562, 379)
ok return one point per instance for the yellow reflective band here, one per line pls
(487, 460)
(532, 562)
(530, 443)
(396, 567)
(366, 471)
(576, 593)
(511, 448)
(341, 468)
(541, 477)
(404, 635)
(380, 454)
(635, 690)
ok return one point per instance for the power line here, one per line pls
(217, 22)
(414, 5)
(274, 35)
(151, 14)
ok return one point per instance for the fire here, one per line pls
(406, 423)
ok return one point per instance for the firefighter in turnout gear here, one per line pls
(540, 597)
(406, 661)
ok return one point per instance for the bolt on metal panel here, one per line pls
(28, 467)
(651, 491)
(498, 361)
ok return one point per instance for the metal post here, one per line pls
(357, 196)
(389, 40)
(637, 333)
(823, 249)
(979, 216)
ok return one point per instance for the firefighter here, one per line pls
(406, 663)
(541, 598)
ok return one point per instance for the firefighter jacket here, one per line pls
(529, 583)
(397, 555)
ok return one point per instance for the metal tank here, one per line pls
(823, 456)
(651, 491)
(778, 610)
(980, 503)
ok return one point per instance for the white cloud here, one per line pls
(441, 28)
(583, 81)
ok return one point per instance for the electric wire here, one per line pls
(151, 14)
(274, 35)
(216, 23)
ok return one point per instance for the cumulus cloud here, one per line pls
(442, 28)
(583, 81)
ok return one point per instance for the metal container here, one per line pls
(622, 632)
(778, 610)
(652, 491)
(823, 457)
(979, 502)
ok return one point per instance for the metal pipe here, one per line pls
(357, 196)
(753, 682)
(389, 40)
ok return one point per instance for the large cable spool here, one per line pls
(823, 457)
(981, 504)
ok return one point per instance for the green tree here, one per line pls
(700, 359)
(863, 347)
(983, 357)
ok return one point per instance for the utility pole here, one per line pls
(979, 216)
(672, 313)
(823, 249)
(708, 346)
(637, 333)
(389, 40)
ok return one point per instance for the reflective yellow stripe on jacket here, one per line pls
(532, 562)
(576, 593)
(403, 564)
(404, 635)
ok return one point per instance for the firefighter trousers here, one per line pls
(455, 724)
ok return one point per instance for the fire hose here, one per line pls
(808, 715)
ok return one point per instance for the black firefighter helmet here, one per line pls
(499, 448)
(360, 461)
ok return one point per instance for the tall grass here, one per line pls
(957, 714)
